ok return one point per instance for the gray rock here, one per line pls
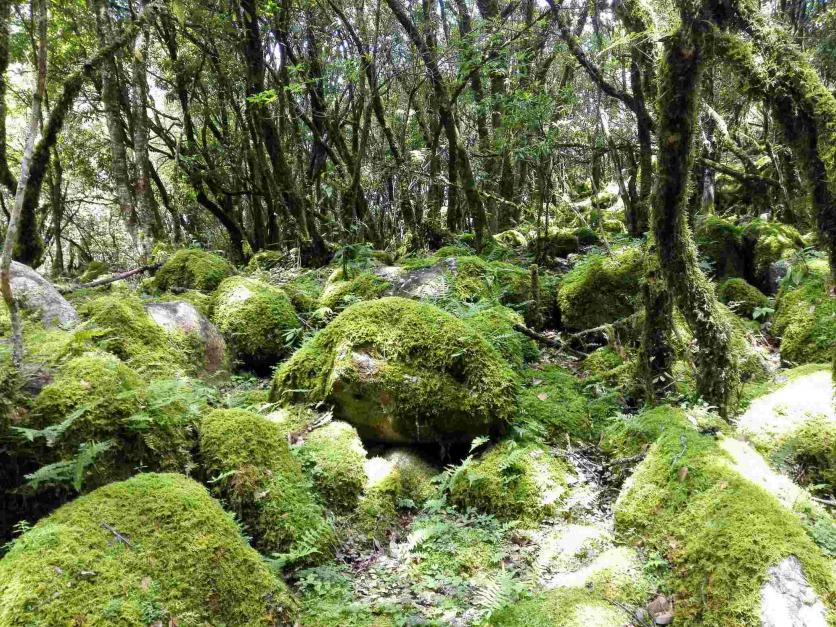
(36, 294)
(788, 600)
(777, 271)
(178, 315)
(420, 283)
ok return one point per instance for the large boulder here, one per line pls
(155, 549)
(402, 371)
(178, 316)
(36, 294)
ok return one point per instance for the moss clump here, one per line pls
(768, 242)
(600, 289)
(339, 292)
(719, 532)
(453, 250)
(512, 482)
(607, 366)
(586, 236)
(194, 269)
(252, 468)
(304, 291)
(721, 242)
(511, 238)
(333, 457)
(556, 243)
(402, 371)
(810, 450)
(741, 297)
(561, 608)
(122, 326)
(255, 318)
(154, 549)
(604, 200)
(473, 279)
(496, 324)
(266, 260)
(805, 316)
(93, 271)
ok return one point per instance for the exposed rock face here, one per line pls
(788, 600)
(420, 283)
(184, 318)
(37, 294)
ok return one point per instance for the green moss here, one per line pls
(402, 371)
(607, 366)
(191, 268)
(561, 608)
(475, 279)
(511, 481)
(304, 291)
(496, 324)
(339, 293)
(768, 242)
(155, 549)
(805, 316)
(600, 289)
(266, 260)
(741, 297)
(329, 598)
(604, 200)
(556, 243)
(453, 251)
(250, 464)
(721, 242)
(202, 302)
(333, 457)
(511, 238)
(93, 271)
(811, 451)
(255, 318)
(586, 236)
(719, 532)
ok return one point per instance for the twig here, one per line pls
(830, 502)
(626, 461)
(544, 339)
(113, 278)
(118, 535)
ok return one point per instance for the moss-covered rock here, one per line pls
(248, 460)
(601, 289)
(721, 242)
(766, 243)
(39, 297)
(511, 238)
(472, 278)
(93, 271)
(561, 608)
(741, 297)
(185, 322)
(586, 236)
(402, 371)
(340, 292)
(154, 549)
(555, 243)
(805, 316)
(255, 318)
(511, 481)
(453, 250)
(333, 457)
(496, 324)
(720, 532)
(604, 199)
(266, 260)
(193, 269)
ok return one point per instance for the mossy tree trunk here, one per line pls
(656, 355)
(680, 75)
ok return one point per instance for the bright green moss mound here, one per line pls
(556, 243)
(600, 289)
(339, 292)
(805, 317)
(333, 457)
(452, 250)
(93, 271)
(768, 242)
(474, 279)
(511, 481)
(741, 297)
(194, 269)
(496, 324)
(604, 200)
(511, 238)
(561, 608)
(247, 458)
(402, 371)
(122, 326)
(266, 260)
(154, 549)
(719, 532)
(721, 242)
(254, 318)
(810, 450)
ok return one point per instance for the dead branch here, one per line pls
(112, 278)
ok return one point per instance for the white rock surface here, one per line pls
(35, 293)
(788, 600)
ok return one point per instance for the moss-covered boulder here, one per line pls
(183, 319)
(511, 481)
(496, 324)
(266, 260)
(472, 278)
(193, 269)
(250, 465)
(741, 297)
(604, 199)
(37, 295)
(765, 244)
(339, 291)
(333, 457)
(721, 243)
(805, 315)
(721, 533)
(511, 238)
(561, 608)
(601, 289)
(402, 371)
(555, 243)
(154, 549)
(255, 318)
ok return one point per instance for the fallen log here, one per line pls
(112, 278)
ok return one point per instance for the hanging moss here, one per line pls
(719, 532)
(805, 316)
(339, 292)
(600, 289)
(333, 457)
(511, 481)
(154, 549)
(721, 242)
(251, 467)
(561, 608)
(254, 318)
(496, 324)
(192, 268)
(402, 371)
(741, 297)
